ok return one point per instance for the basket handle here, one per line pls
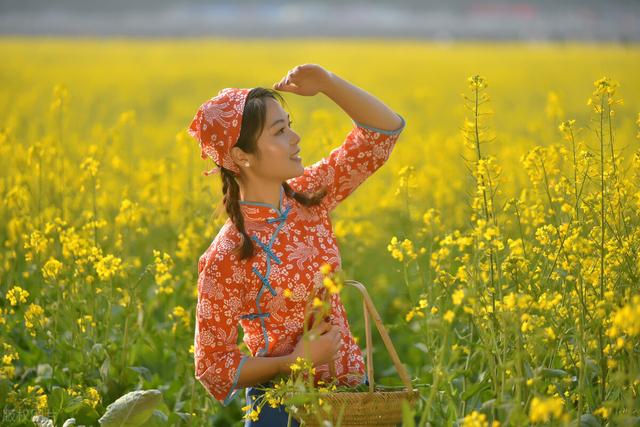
(369, 308)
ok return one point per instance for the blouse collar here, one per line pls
(259, 211)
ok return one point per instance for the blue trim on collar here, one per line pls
(266, 205)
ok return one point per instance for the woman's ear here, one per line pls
(239, 157)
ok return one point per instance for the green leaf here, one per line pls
(158, 419)
(132, 409)
(476, 388)
(56, 399)
(551, 373)
(72, 404)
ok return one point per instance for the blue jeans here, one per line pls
(271, 417)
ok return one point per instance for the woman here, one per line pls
(264, 264)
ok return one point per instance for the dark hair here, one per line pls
(253, 118)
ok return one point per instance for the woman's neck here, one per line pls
(269, 194)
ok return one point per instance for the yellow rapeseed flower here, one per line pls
(180, 313)
(84, 321)
(543, 410)
(626, 319)
(107, 267)
(51, 269)
(162, 266)
(477, 82)
(34, 316)
(448, 316)
(325, 269)
(92, 397)
(603, 412)
(475, 419)
(17, 295)
(331, 285)
(458, 296)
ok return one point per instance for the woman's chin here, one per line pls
(298, 172)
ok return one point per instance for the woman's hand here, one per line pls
(305, 80)
(321, 345)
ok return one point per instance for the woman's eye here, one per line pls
(282, 130)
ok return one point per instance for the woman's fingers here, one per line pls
(325, 327)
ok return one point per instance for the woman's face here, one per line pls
(277, 144)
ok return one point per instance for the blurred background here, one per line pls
(442, 20)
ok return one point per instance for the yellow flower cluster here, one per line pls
(399, 249)
(90, 166)
(302, 365)
(42, 403)
(603, 412)
(331, 281)
(458, 296)
(162, 265)
(477, 419)
(130, 213)
(431, 218)
(477, 82)
(17, 295)
(90, 395)
(449, 316)
(179, 313)
(417, 311)
(84, 321)
(35, 243)
(566, 127)
(34, 316)
(252, 414)
(404, 184)
(542, 410)
(51, 269)
(108, 267)
(626, 320)
(9, 354)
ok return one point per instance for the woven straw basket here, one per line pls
(374, 407)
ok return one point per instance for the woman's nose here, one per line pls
(296, 137)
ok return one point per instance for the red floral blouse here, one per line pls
(291, 242)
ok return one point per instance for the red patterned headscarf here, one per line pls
(216, 126)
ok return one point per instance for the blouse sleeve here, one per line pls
(218, 359)
(364, 151)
